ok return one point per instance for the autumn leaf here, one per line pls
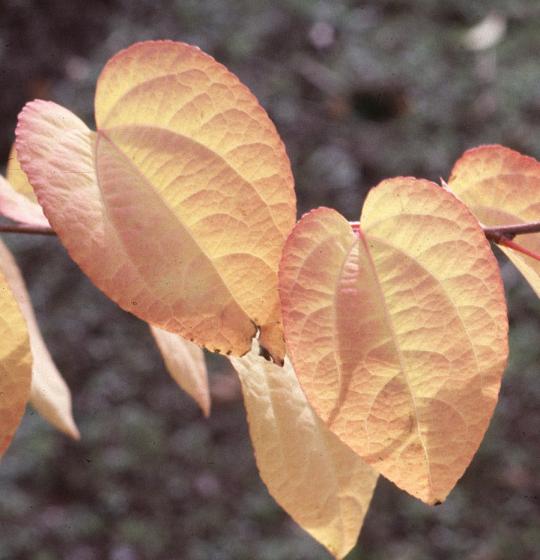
(502, 187)
(398, 335)
(179, 205)
(15, 365)
(17, 200)
(321, 483)
(17, 179)
(185, 362)
(49, 394)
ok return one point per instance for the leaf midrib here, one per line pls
(145, 181)
(399, 354)
(218, 156)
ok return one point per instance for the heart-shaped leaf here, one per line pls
(179, 205)
(502, 187)
(398, 335)
(321, 483)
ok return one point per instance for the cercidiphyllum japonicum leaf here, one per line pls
(399, 335)
(185, 362)
(319, 481)
(502, 187)
(179, 206)
(15, 365)
(49, 395)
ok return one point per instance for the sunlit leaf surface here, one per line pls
(502, 187)
(399, 335)
(179, 205)
(321, 483)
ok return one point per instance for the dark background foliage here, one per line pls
(360, 91)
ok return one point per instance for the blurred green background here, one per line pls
(359, 91)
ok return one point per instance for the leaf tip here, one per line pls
(72, 431)
(205, 405)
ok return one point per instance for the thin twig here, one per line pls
(505, 242)
(502, 235)
(494, 233)
(23, 228)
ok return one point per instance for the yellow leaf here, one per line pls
(15, 365)
(17, 177)
(502, 187)
(178, 207)
(323, 485)
(185, 362)
(399, 335)
(49, 395)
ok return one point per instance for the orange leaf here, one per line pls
(185, 362)
(323, 485)
(178, 207)
(15, 365)
(502, 187)
(398, 335)
(49, 395)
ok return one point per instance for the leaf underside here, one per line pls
(321, 483)
(185, 362)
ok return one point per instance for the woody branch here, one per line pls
(502, 235)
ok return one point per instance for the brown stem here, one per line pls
(504, 235)
(23, 228)
(495, 233)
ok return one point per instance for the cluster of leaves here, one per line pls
(369, 348)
